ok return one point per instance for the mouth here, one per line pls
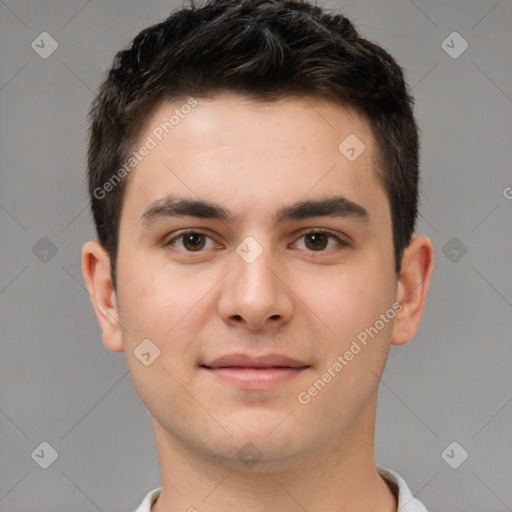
(249, 372)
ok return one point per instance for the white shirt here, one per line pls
(406, 501)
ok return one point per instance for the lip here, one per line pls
(244, 360)
(249, 372)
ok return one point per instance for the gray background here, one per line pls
(60, 385)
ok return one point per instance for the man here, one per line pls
(253, 174)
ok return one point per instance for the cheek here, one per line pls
(154, 297)
(347, 300)
(168, 307)
(351, 304)
(164, 308)
(354, 357)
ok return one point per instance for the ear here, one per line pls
(96, 272)
(413, 282)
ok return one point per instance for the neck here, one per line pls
(341, 477)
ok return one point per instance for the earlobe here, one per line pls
(413, 283)
(96, 272)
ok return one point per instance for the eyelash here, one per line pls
(341, 242)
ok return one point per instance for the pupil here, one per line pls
(194, 241)
(317, 241)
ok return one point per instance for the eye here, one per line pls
(191, 241)
(319, 241)
(313, 240)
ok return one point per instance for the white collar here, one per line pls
(406, 501)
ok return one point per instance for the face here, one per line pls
(247, 234)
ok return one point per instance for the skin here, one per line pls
(253, 159)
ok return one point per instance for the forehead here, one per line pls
(230, 118)
(230, 146)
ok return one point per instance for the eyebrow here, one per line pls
(172, 206)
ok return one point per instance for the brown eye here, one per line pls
(316, 241)
(193, 241)
(319, 241)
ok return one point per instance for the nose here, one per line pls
(255, 293)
